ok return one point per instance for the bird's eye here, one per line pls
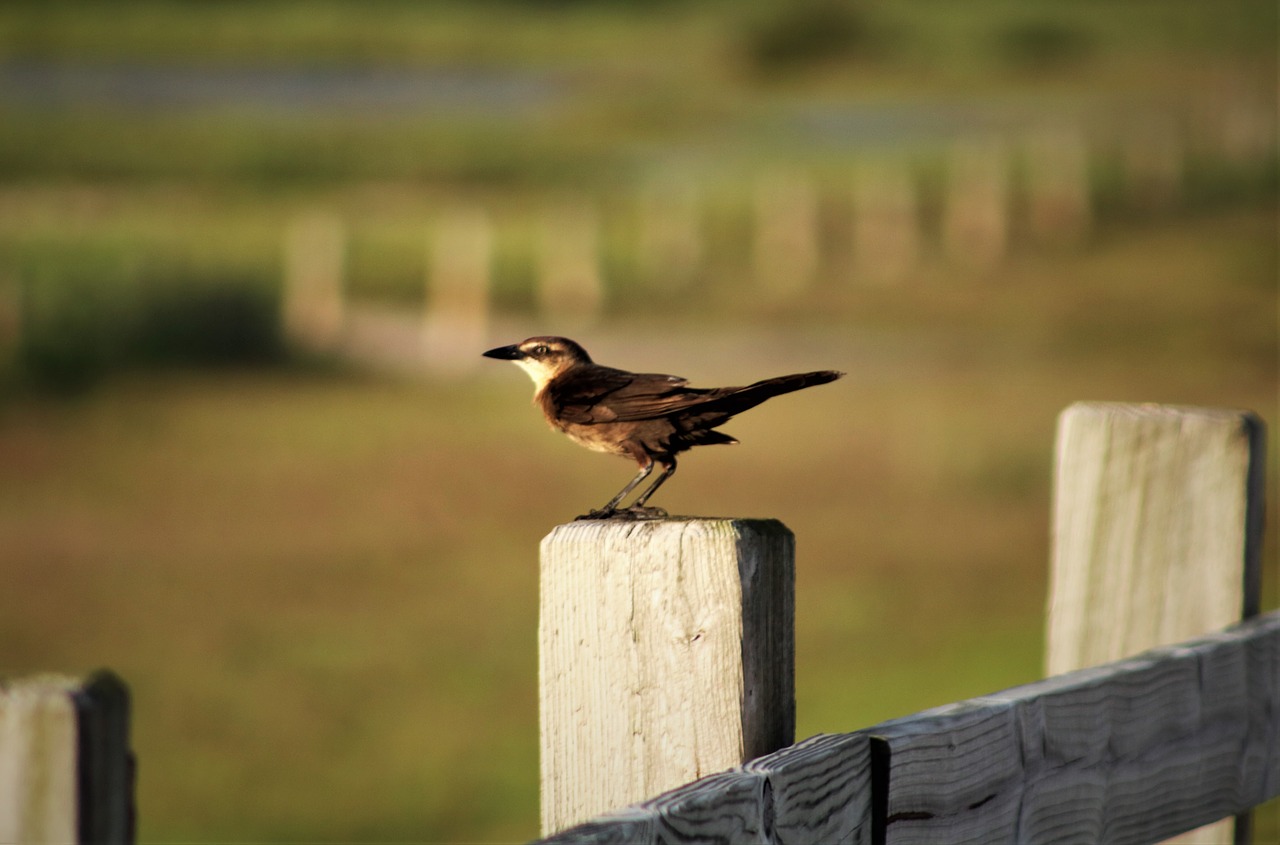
(541, 349)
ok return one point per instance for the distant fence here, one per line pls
(756, 232)
(872, 218)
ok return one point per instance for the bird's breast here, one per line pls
(597, 438)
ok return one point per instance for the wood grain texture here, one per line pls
(38, 761)
(949, 775)
(1153, 514)
(1157, 527)
(1155, 745)
(65, 766)
(666, 653)
(820, 790)
(816, 791)
(1125, 753)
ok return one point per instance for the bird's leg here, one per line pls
(668, 470)
(612, 507)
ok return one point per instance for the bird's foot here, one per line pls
(632, 512)
(643, 512)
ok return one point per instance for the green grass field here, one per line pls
(322, 590)
(321, 585)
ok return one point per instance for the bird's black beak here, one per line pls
(505, 353)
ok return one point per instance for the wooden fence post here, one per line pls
(666, 653)
(570, 289)
(1156, 532)
(975, 217)
(787, 242)
(1059, 206)
(455, 320)
(11, 327)
(314, 266)
(669, 227)
(886, 222)
(1152, 158)
(66, 771)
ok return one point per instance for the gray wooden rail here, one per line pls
(1128, 752)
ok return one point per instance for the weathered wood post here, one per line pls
(975, 217)
(1153, 160)
(455, 319)
(669, 228)
(787, 245)
(66, 770)
(314, 266)
(11, 325)
(886, 222)
(1059, 209)
(666, 653)
(1156, 532)
(570, 288)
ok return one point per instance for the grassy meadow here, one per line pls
(322, 589)
(321, 583)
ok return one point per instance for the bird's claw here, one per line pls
(632, 512)
(642, 512)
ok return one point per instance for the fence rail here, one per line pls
(1129, 752)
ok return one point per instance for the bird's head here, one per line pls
(543, 358)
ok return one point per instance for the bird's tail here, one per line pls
(738, 399)
(785, 384)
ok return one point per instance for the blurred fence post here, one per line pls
(455, 320)
(975, 224)
(666, 653)
(669, 238)
(570, 291)
(886, 221)
(314, 307)
(10, 325)
(66, 769)
(1156, 532)
(786, 244)
(1152, 158)
(1059, 207)
(1245, 127)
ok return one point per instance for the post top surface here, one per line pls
(1155, 411)
(708, 524)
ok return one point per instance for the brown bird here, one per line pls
(647, 417)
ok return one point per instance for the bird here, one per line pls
(647, 417)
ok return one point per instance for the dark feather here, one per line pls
(619, 396)
(602, 395)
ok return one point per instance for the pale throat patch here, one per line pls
(537, 370)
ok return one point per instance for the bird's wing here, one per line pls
(604, 395)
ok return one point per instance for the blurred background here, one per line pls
(250, 253)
